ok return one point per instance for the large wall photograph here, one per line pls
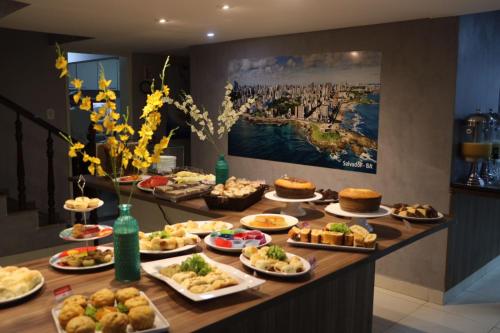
(316, 109)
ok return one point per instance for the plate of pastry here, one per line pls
(334, 236)
(83, 204)
(328, 196)
(83, 258)
(269, 222)
(130, 179)
(124, 310)
(199, 228)
(416, 212)
(18, 282)
(165, 242)
(273, 260)
(200, 278)
(236, 240)
(86, 232)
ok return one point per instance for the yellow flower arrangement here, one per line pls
(116, 127)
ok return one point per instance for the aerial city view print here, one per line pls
(316, 109)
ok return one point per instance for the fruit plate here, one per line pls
(160, 324)
(174, 251)
(245, 281)
(202, 232)
(26, 294)
(131, 179)
(307, 267)
(289, 220)
(331, 247)
(104, 231)
(55, 260)
(211, 243)
(85, 210)
(419, 219)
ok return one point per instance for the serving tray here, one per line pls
(331, 247)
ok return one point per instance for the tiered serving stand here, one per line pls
(292, 207)
(358, 218)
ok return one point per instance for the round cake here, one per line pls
(294, 188)
(359, 200)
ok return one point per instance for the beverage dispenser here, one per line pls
(476, 145)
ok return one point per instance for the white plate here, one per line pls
(66, 233)
(86, 210)
(210, 243)
(147, 189)
(53, 261)
(246, 281)
(337, 210)
(160, 325)
(290, 220)
(141, 178)
(331, 247)
(307, 267)
(32, 291)
(177, 250)
(419, 219)
(201, 232)
(273, 196)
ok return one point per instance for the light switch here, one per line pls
(51, 114)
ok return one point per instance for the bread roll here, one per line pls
(304, 235)
(337, 238)
(327, 237)
(315, 235)
(370, 240)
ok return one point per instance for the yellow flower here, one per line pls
(108, 124)
(91, 169)
(103, 83)
(111, 95)
(166, 90)
(124, 137)
(73, 150)
(100, 171)
(62, 64)
(126, 156)
(115, 115)
(145, 131)
(110, 105)
(98, 128)
(100, 96)
(86, 104)
(95, 117)
(77, 83)
(76, 97)
(102, 111)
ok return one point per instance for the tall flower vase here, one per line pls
(126, 245)
(221, 170)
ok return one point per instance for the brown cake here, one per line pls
(359, 200)
(294, 188)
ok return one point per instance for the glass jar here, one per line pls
(126, 246)
(221, 170)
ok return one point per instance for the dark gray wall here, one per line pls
(478, 74)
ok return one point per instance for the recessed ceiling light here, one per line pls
(210, 34)
(162, 21)
(225, 7)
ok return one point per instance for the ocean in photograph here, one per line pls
(319, 109)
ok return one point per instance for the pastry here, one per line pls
(82, 199)
(70, 203)
(141, 317)
(16, 281)
(80, 324)
(359, 200)
(416, 210)
(136, 301)
(369, 240)
(359, 240)
(68, 312)
(336, 234)
(294, 233)
(327, 237)
(115, 322)
(349, 239)
(304, 234)
(294, 188)
(103, 297)
(78, 230)
(126, 293)
(337, 238)
(76, 299)
(93, 203)
(358, 230)
(315, 235)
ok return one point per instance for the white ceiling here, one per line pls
(130, 25)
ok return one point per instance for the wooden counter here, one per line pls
(336, 296)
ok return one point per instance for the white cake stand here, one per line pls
(358, 218)
(292, 207)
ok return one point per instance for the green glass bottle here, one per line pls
(126, 244)
(221, 170)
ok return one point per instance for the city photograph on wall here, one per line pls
(316, 109)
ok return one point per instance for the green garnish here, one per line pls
(196, 264)
(90, 311)
(98, 326)
(339, 227)
(276, 252)
(161, 234)
(122, 308)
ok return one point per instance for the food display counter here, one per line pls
(337, 295)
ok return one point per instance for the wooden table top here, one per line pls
(33, 314)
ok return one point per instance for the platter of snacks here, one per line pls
(177, 192)
(150, 183)
(165, 242)
(18, 282)
(269, 222)
(83, 258)
(235, 194)
(83, 204)
(131, 179)
(121, 311)
(273, 260)
(328, 196)
(416, 212)
(190, 177)
(200, 278)
(236, 240)
(86, 232)
(199, 228)
(335, 236)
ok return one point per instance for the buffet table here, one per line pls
(336, 296)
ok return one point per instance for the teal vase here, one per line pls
(221, 170)
(126, 245)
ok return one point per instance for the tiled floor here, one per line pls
(476, 310)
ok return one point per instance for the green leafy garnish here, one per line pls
(196, 264)
(276, 252)
(160, 234)
(122, 308)
(98, 326)
(90, 311)
(339, 227)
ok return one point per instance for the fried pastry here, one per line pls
(141, 317)
(103, 297)
(125, 294)
(80, 324)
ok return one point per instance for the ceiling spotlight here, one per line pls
(225, 7)
(162, 21)
(210, 34)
